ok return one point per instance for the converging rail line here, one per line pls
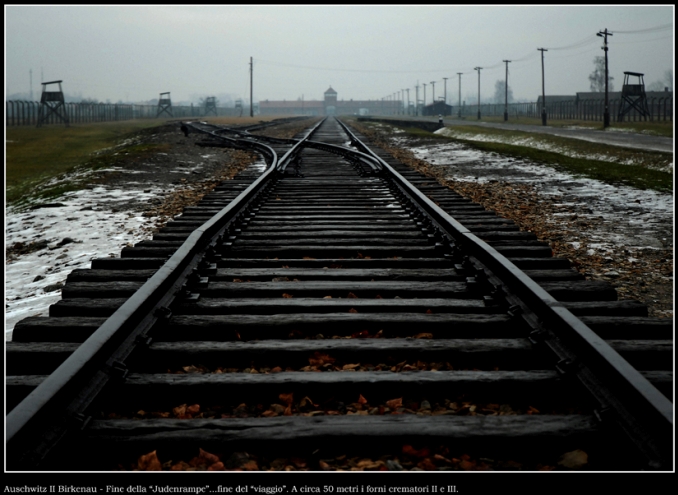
(339, 304)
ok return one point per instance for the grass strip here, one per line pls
(611, 172)
(657, 128)
(36, 156)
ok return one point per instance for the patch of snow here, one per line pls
(91, 219)
(537, 143)
(632, 218)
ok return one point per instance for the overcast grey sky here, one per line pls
(364, 52)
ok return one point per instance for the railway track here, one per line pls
(342, 311)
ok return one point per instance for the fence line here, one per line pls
(661, 110)
(19, 112)
(26, 112)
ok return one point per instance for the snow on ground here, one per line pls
(536, 142)
(625, 216)
(90, 218)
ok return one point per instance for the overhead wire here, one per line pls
(662, 27)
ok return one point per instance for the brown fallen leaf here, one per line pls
(351, 295)
(237, 280)
(394, 403)
(327, 297)
(287, 296)
(250, 466)
(351, 366)
(574, 460)
(194, 409)
(352, 310)
(217, 466)
(424, 336)
(179, 410)
(181, 466)
(411, 451)
(318, 359)
(149, 462)
(362, 399)
(207, 458)
(286, 398)
(427, 465)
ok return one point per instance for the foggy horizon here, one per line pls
(133, 53)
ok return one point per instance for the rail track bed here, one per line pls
(340, 311)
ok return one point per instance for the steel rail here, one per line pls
(653, 434)
(537, 304)
(343, 151)
(57, 406)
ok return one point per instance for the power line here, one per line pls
(642, 41)
(348, 70)
(663, 27)
(585, 41)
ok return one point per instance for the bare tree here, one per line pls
(664, 82)
(655, 86)
(668, 79)
(597, 77)
(500, 92)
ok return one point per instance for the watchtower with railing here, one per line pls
(211, 105)
(52, 103)
(164, 105)
(633, 97)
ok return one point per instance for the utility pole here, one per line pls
(416, 102)
(478, 69)
(31, 82)
(459, 108)
(422, 111)
(445, 92)
(251, 83)
(506, 93)
(606, 114)
(433, 86)
(543, 92)
(408, 101)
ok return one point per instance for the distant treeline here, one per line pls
(26, 112)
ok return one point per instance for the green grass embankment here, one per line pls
(634, 168)
(36, 155)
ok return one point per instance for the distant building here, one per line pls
(616, 95)
(330, 105)
(437, 108)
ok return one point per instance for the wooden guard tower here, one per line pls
(633, 96)
(52, 102)
(211, 105)
(165, 105)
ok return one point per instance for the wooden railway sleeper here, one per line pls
(498, 298)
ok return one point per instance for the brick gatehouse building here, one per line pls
(330, 105)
